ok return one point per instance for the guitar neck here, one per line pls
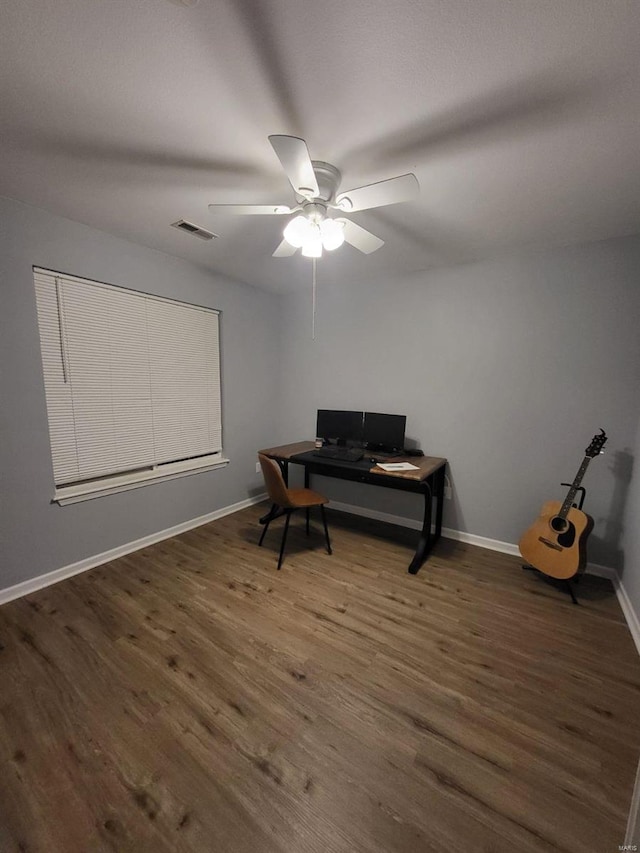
(568, 501)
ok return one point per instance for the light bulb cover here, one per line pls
(332, 231)
(297, 231)
(312, 247)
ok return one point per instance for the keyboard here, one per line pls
(346, 454)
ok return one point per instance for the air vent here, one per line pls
(190, 228)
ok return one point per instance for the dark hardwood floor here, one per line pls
(188, 697)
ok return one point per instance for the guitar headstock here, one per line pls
(597, 443)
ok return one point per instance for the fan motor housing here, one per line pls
(314, 211)
(328, 178)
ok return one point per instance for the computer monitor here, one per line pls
(384, 432)
(342, 426)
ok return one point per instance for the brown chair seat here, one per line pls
(301, 498)
(285, 501)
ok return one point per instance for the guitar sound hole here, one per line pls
(567, 538)
(559, 524)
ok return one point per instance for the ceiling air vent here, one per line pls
(196, 230)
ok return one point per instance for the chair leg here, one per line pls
(267, 522)
(307, 514)
(326, 529)
(284, 539)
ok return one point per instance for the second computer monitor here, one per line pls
(342, 426)
(384, 432)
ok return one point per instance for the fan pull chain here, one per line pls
(313, 299)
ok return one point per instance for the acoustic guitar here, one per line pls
(556, 542)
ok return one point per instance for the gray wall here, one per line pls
(631, 550)
(38, 536)
(631, 539)
(507, 368)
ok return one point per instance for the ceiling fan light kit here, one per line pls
(312, 233)
(316, 186)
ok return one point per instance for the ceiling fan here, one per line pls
(316, 184)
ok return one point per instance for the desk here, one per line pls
(428, 481)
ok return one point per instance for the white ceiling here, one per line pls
(520, 119)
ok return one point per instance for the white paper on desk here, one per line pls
(397, 466)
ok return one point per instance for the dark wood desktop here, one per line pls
(427, 480)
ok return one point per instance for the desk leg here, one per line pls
(306, 485)
(424, 543)
(439, 496)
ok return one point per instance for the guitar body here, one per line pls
(554, 545)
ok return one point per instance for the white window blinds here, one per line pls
(132, 381)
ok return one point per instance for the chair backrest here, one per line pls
(274, 481)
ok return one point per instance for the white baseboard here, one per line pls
(34, 584)
(504, 548)
(376, 515)
(629, 613)
(632, 837)
(481, 541)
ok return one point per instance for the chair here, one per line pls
(285, 500)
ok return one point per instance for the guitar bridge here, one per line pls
(550, 544)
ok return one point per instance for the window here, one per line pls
(132, 383)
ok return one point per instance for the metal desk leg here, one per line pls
(424, 543)
(439, 496)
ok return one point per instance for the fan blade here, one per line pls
(252, 209)
(360, 238)
(284, 250)
(296, 162)
(402, 188)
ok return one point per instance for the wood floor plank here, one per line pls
(189, 697)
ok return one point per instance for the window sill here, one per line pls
(64, 495)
